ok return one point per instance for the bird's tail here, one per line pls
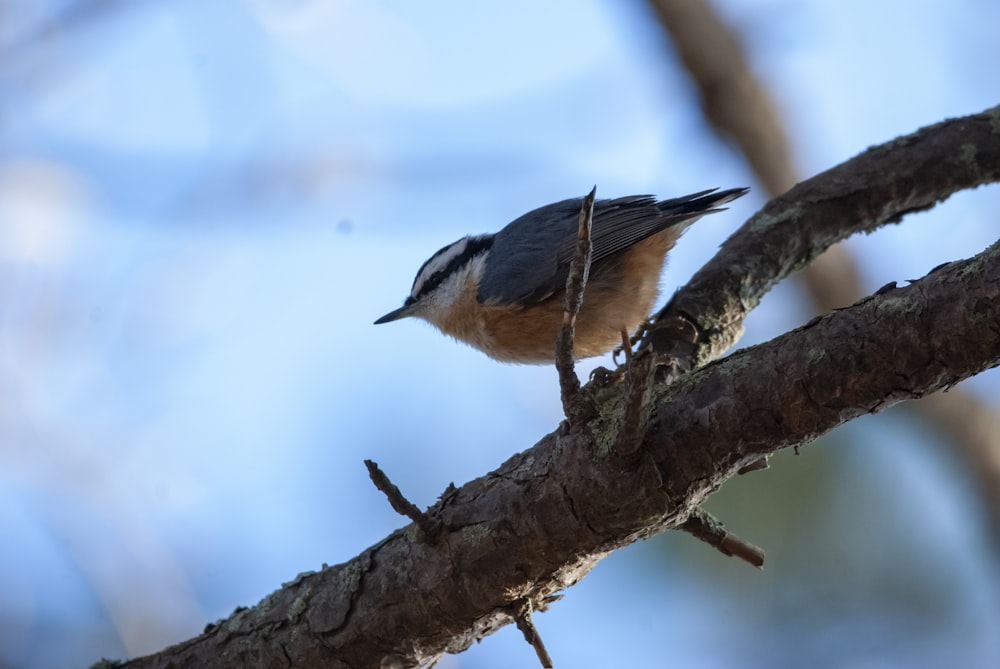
(704, 202)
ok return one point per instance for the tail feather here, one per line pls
(703, 202)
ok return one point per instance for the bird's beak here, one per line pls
(395, 315)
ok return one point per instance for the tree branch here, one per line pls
(877, 187)
(542, 520)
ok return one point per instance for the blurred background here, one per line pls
(204, 205)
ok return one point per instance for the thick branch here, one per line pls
(535, 526)
(877, 187)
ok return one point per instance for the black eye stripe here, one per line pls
(473, 247)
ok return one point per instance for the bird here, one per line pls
(503, 293)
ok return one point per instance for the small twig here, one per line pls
(639, 374)
(703, 525)
(522, 618)
(576, 282)
(429, 526)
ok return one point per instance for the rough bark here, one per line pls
(513, 538)
(880, 186)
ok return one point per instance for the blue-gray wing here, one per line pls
(529, 259)
(524, 262)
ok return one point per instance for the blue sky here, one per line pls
(204, 205)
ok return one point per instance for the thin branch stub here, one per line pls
(429, 526)
(574, 406)
(522, 618)
(703, 525)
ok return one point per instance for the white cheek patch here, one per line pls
(437, 304)
(447, 292)
(453, 286)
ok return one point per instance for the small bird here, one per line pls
(503, 293)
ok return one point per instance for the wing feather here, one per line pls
(530, 258)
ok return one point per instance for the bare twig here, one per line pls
(522, 618)
(703, 525)
(576, 282)
(429, 526)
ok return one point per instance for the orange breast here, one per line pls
(619, 296)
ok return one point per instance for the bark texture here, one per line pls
(880, 186)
